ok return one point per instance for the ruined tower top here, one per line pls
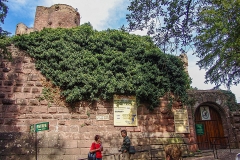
(58, 15)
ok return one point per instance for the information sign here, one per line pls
(181, 121)
(125, 110)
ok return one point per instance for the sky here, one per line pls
(102, 14)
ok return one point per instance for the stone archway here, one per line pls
(209, 120)
(215, 100)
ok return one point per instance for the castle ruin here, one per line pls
(56, 16)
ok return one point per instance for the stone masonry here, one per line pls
(72, 129)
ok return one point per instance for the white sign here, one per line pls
(102, 117)
(205, 114)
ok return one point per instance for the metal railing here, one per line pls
(151, 152)
(221, 142)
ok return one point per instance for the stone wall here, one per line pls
(58, 15)
(72, 128)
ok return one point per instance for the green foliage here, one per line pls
(91, 65)
(218, 42)
(231, 101)
(213, 27)
(4, 43)
(3, 14)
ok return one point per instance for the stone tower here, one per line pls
(58, 15)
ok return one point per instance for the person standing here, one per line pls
(97, 147)
(125, 146)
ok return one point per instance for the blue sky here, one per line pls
(102, 14)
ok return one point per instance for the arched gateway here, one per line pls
(209, 126)
(211, 118)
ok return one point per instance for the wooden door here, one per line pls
(212, 129)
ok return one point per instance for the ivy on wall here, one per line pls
(90, 65)
(231, 101)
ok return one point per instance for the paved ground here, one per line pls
(222, 154)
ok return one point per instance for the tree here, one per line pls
(210, 26)
(3, 14)
(4, 40)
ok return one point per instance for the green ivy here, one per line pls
(91, 65)
(231, 101)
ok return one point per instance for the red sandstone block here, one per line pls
(26, 89)
(44, 151)
(52, 109)
(64, 136)
(19, 82)
(66, 116)
(75, 116)
(8, 83)
(23, 128)
(170, 128)
(6, 89)
(83, 116)
(61, 122)
(35, 90)
(35, 102)
(7, 101)
(17, 89)
(32, 77)
(84, 143)
(39, 109)
(74, 122)
(72, 151)
(23, 95)
(29, 83)
(62, 110)
(63, 128)
(1, 121)
(170, 121)
(84, 151)
(33, 116)
(13, 108)
(102, 111)
(27, 71)
(38, 84)
(29, 66)
(21, 101)
(76, 136)
(46, 116)
(26, 60)
(109, 122)
(57, 116)
(74, 128)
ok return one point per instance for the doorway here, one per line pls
(209, 127)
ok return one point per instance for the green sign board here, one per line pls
(42, 126)
(199, 129)
(39, 127)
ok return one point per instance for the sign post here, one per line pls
(34, 128)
